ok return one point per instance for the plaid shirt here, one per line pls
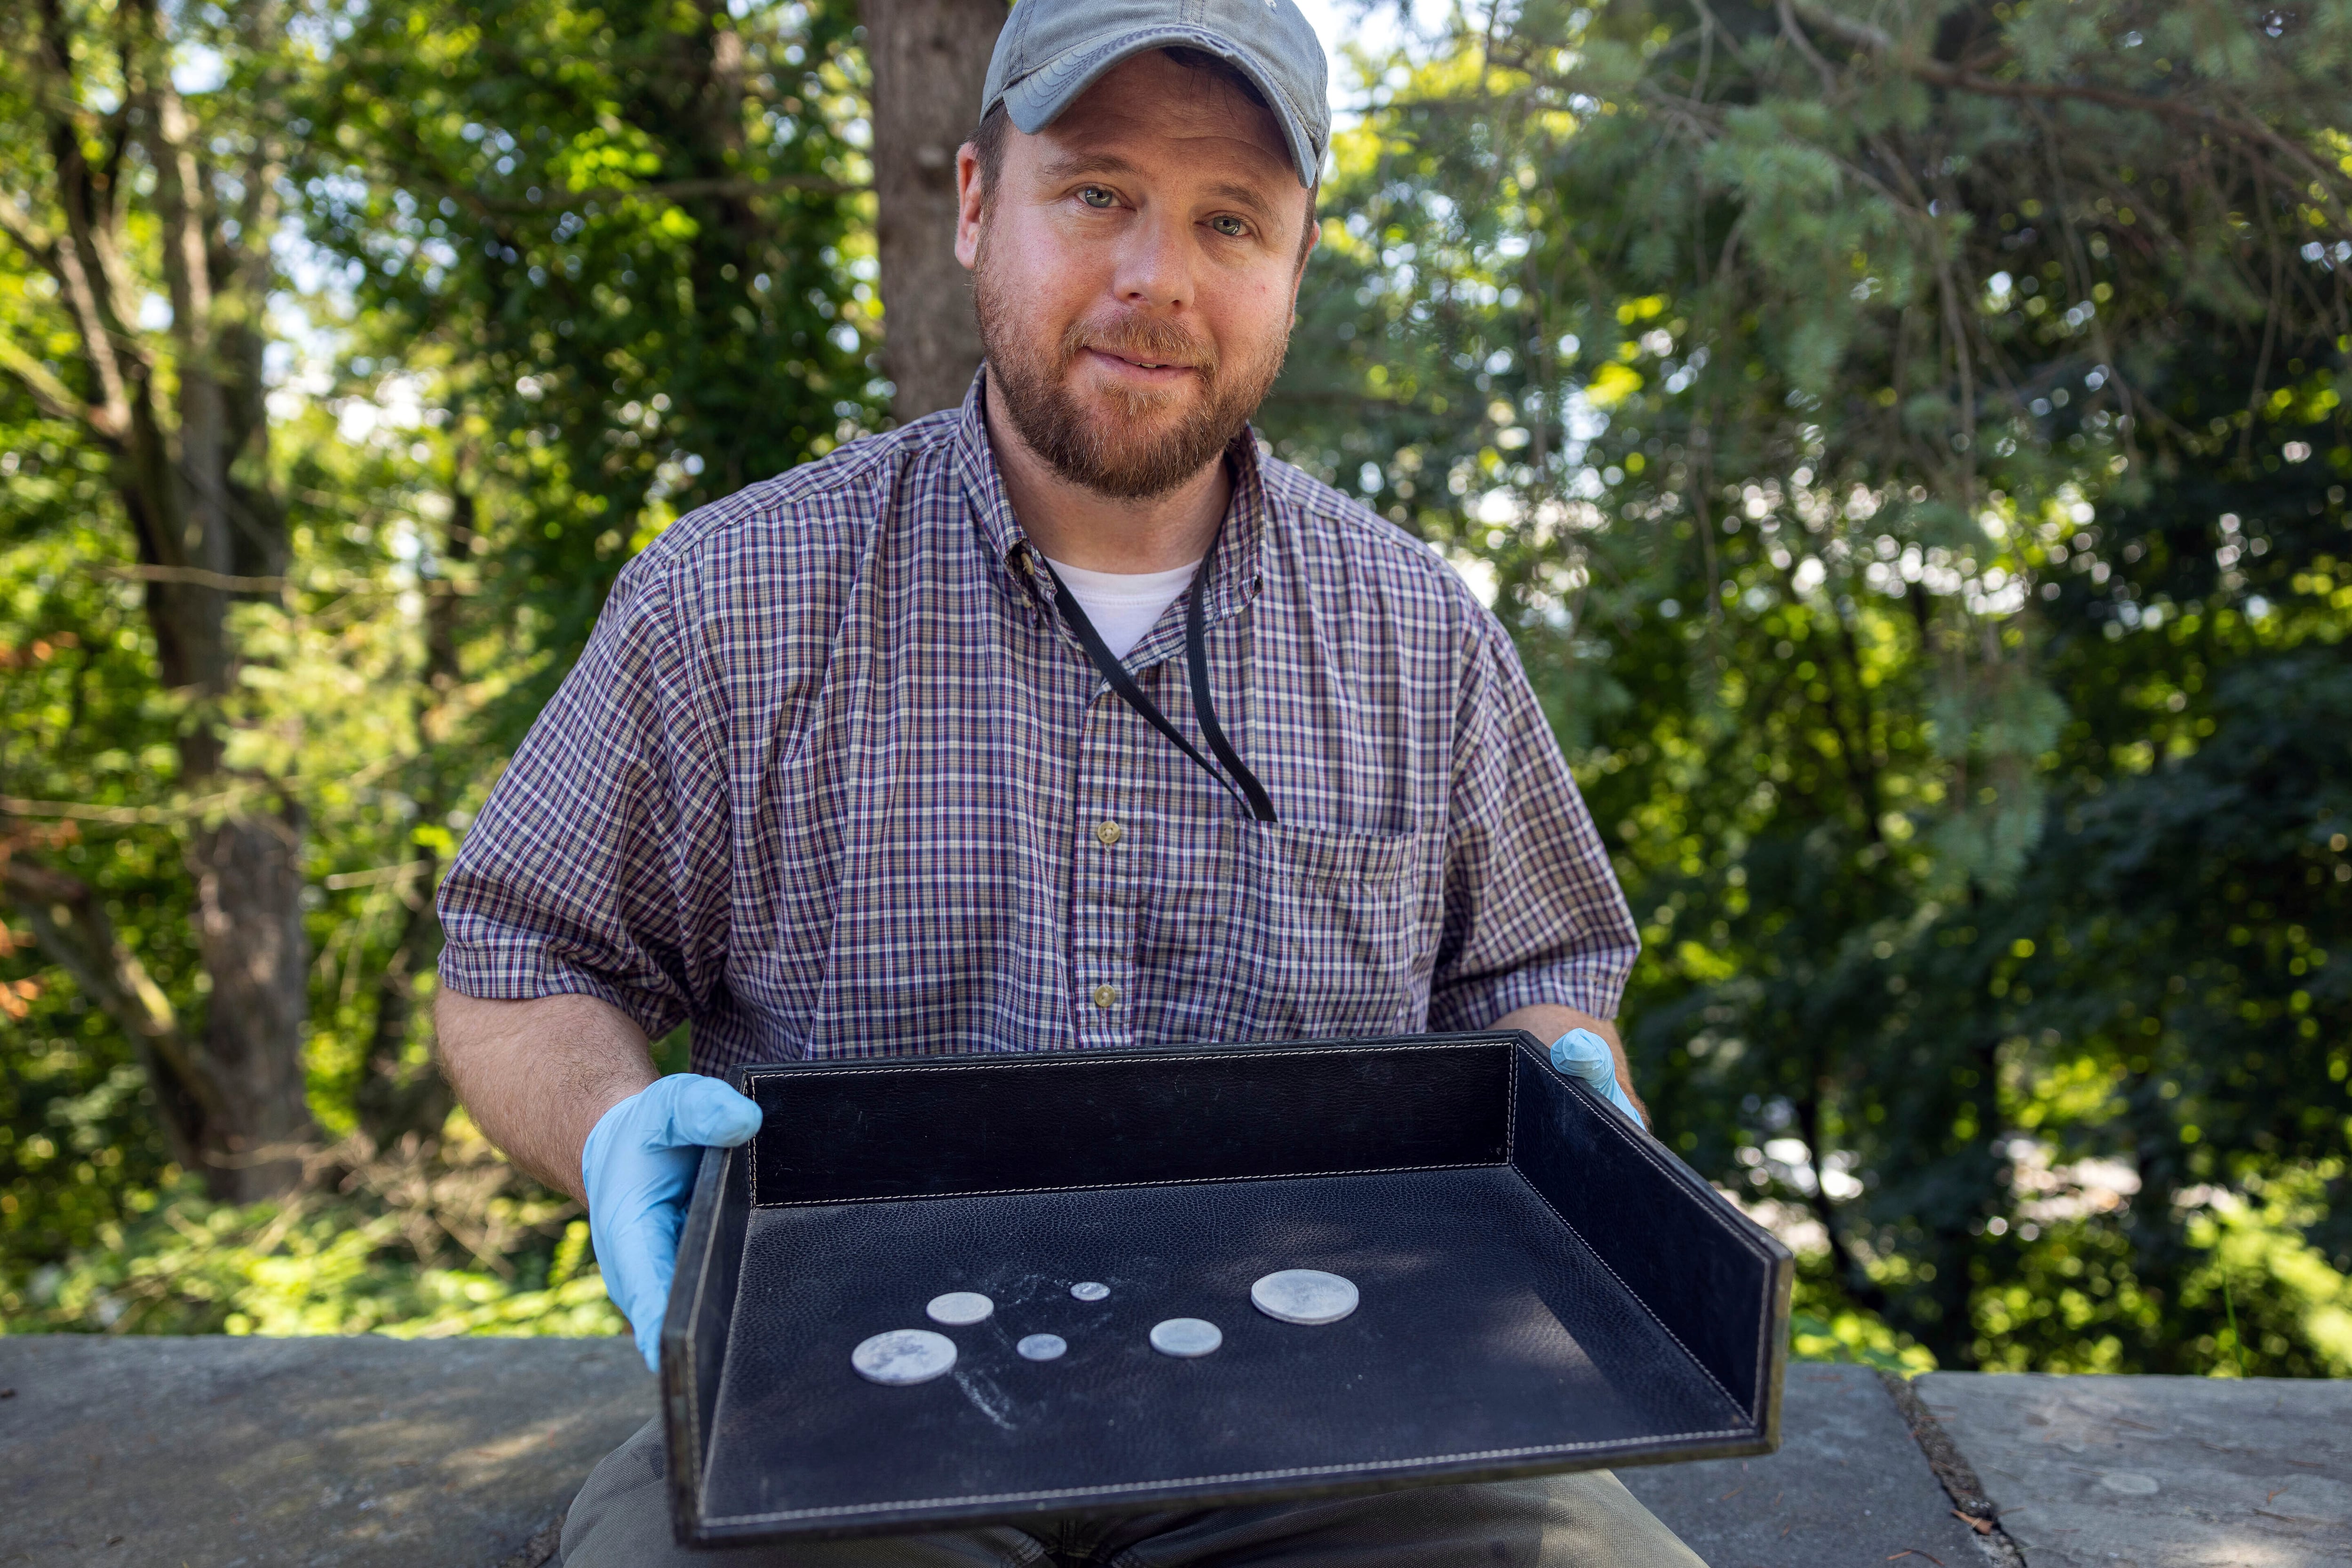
(833, 779)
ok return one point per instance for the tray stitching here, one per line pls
(1081, 1058)
(1511, 1103)
(1086, 1058)
(1122, 1186)
(1640, 1144)
(1210, 1481)
(1632, 1294)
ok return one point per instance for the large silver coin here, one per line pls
(1043, 1347)
(960, 1308)
(904, 1356)
(1186, 1337)
(1088, 1290)
(1304, 1296)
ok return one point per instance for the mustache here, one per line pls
(1146, 340)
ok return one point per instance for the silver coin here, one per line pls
(1304, 1296)
(1088, 1291)
(904, 1356)
(1186, 1337)
(960, 1308)
(1043, 1347)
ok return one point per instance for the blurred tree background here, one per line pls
(1908, 442)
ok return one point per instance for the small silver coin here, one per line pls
(1304, 1296)
(960, 1308)
(1186, 1337)
(904, 1356)
(1089, 1291)
(1043, 1347)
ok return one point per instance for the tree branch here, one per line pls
(414, 171)
(323, 582)
(50, 394)
(1966, 79)
(1804, 46)
(97, 315)
(1860, 34)
(70, 924)
(21, 226)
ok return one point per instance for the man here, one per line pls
(1067, 720)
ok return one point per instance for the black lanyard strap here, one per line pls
(1251, 796)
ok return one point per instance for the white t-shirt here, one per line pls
(1123, 605)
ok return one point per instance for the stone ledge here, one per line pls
(2158, 1472)
(1848, 1486)
(337, 1453)
(356, 1453)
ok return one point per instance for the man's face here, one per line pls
(1136, 270)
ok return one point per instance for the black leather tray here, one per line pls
(1544, 1288)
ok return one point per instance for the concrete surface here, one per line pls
(354, 1453)
(2158, 1472)
(236, 1453)
(1848, 1486)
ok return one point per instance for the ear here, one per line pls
(970, 199)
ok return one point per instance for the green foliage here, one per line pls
(558, 274)
(416, 1241)
(1911, 457)
(79, 722)
(632, 243)
(1840, 1333)
(1908, 446)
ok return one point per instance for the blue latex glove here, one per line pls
(1580, 1052)
(638, 1167)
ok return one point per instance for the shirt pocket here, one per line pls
(1330, 942)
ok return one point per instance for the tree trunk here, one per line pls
(235, 1103)
(249, 928)
(395, 1100)
(927, 58)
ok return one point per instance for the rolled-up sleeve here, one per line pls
(1533, 911)
(599, 864)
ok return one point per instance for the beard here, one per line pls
(1127, 443)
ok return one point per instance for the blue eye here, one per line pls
(1097, 197)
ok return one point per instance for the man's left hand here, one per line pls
(1580, 1052)
(1550, 1021)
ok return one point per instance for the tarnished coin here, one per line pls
(1043, 1347)
(904, 1356)
(1088, 1291)
(1304, 1296)
(1186, 1337)
(960, 1308)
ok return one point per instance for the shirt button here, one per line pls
(1109, 833)
(1106, 996)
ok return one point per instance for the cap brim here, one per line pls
(1037, 99)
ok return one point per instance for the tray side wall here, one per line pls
(883, 1131)
(744, 1533)
(696, 1323)
(1717, 1281)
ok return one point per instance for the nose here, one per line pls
(1155, 270)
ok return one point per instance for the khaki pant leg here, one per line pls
(620, 1519)
(1583, 1521)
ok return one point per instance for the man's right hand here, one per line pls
(638, 1171)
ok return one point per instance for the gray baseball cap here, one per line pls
(1051, 50)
